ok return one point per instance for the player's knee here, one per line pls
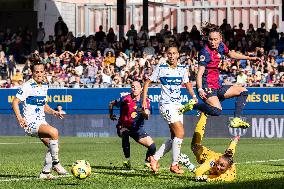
(244, 93)
(215, 111)
(54, 133)
(152, 148)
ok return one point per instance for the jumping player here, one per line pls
(131, 122)
(33, 97)
(171, 76)
(207, 80)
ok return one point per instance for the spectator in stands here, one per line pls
(60, 28)
(91, 70)
(3, 66)
(60, 109)
(240, 33)
(7, 84)
(49, 45)
(131, 34)
(184, 36)
(11, 66)
(111, 37)
(100, 35)
(224, 25)
(77, 83)
(99, 59)
(242, 78)
(109, 59)
(40, 37)
(121, 60)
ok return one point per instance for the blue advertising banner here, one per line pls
(263, 101)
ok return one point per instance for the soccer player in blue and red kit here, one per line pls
(207, 80)
(131, 122)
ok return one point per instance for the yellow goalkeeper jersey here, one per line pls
(207, 160)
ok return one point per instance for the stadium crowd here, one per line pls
(101, 60)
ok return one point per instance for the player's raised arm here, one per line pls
(16, 108)
(236, 55)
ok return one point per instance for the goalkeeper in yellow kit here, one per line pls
(214, 166)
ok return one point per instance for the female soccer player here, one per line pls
(33, 96)
(131, 122)
(171, 75)
(220, 166)
(207, 80)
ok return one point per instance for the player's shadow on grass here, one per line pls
(17, 176)
(68, 184)
(110, 167)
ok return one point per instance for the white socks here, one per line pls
(47, 162)
(176, 146)
(53, 146)
(165, 148)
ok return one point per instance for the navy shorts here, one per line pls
(136, 134)
(216, 92)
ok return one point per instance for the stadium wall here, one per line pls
(87, 114)
(263, 126)
(261, 101)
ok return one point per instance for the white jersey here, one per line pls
(171, 80)
(34, 98)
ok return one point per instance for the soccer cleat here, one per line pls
(238, 123)
(59, 169)
(184, 160)
(187, 107)
(127, 164)
(46, 176)
(154, 164)
(176, 169)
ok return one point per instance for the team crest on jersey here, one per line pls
(133, 115)
(212, 163)
(202, 58)
(219, 56)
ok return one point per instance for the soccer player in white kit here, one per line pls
(32, 95)
(171, 75)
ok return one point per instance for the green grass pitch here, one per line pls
(260, 164)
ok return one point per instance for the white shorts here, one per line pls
(170, 112)
(32, 128)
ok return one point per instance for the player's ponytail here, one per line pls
(208, 28)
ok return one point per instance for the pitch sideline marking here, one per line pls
(65, 176)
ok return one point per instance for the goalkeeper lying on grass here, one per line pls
(214, 166)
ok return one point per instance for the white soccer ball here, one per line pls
(81, 169)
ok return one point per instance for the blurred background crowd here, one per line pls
(102, 60)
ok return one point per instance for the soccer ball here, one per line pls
(81, 169)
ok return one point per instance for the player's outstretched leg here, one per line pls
(241, 93)
(187, 107)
